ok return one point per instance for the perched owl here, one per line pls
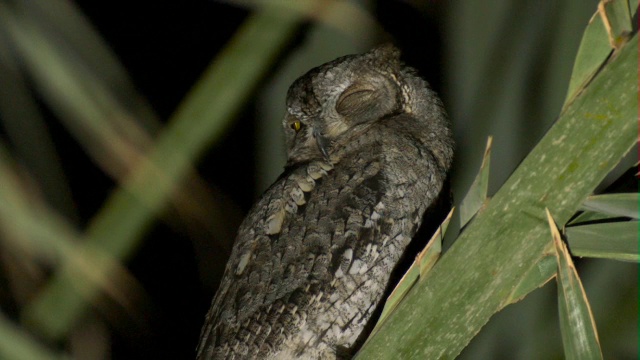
(369, 147)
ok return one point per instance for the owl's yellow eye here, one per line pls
(296, 125)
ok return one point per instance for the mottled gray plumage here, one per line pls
(369, 147)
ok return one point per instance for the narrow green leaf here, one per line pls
(398, 293)
(610, 240)
(617, 21)
(83, 102)
(592, 53)
(200, 119)
(428, 257)
(540, 273)
(589, 216)
(33, 228)
(15, 344)
(607, 206)
(614, 204)
(578, 328)
(25, 128)
(477, 194)
(420, 267)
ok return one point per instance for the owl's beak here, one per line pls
(323, 143)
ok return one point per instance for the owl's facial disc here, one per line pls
(305, 141)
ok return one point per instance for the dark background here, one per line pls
(165, 47)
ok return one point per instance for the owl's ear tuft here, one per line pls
(387, 53)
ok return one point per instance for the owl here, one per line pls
(369, 147)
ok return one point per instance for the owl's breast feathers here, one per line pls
(313, 257)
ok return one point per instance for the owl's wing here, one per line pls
(312, 258)
(256, 271)
(368, 213)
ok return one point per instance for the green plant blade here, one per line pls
(596, 44)
(617, 21)
(419, 269)
(35, 229)
(593, 51)
(540, 273)
(611, 240)
(607, 206)
(15, 344)
(614, 204)
(428, 257)
(25, 127)
(589, 216)
(477, 275)
(200, 119)
(578, 328)
(477, 194)
(87, 107)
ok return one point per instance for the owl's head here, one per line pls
(340, 97)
